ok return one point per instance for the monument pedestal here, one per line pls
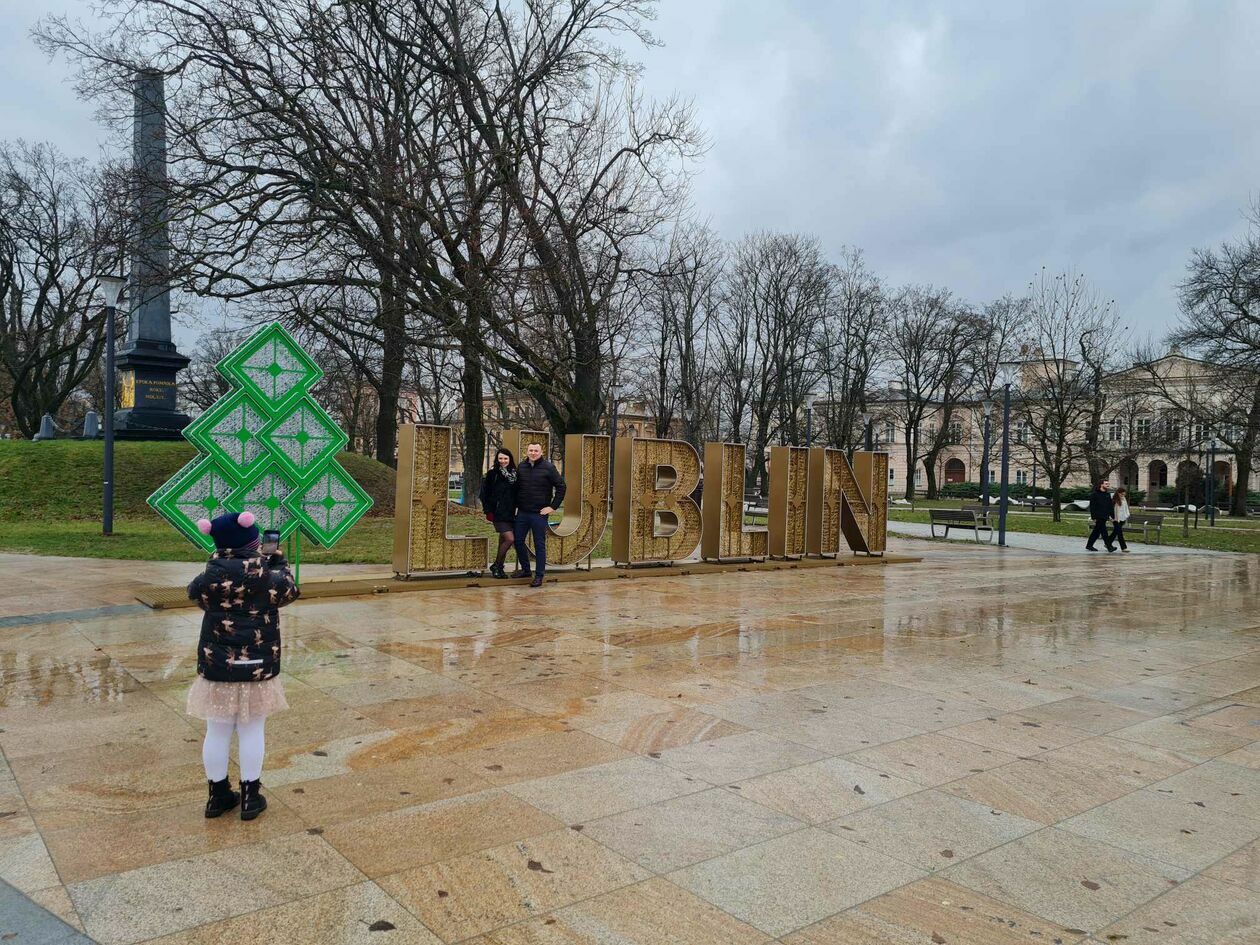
(148, 391)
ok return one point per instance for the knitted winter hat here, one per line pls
(231, 530)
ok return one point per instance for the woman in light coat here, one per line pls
(1121, 515)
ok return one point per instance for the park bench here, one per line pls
(959, 518)
(1146, 522)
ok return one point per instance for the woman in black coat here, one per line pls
(498, 500)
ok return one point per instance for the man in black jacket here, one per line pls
(1102, 510)
(539, 490)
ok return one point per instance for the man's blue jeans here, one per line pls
(535, 522)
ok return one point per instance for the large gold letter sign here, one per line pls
(789, 481)
(842, 501)
(654, 516)
(722, 505)
(420, 539)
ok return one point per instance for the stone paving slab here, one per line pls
(1045, 747)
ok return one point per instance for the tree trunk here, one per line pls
(910, 460)
(393, 359)
(474, 412)
(1056, 496)
(1242, 477)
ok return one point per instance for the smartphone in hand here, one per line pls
(270, 542)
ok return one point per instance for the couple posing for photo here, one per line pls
(517, 500)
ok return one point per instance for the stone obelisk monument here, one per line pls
(150, 361)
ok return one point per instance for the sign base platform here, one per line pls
(171, 598)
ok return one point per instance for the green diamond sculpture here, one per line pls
(198, 492)
(329, 504)
(272, 366)
(264, 494)
(229, 431)
(267, 447)
(303, 439)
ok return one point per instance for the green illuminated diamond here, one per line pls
(303, 439)
(264, 493)
(272, 366)
(194, 493)
(229, 431)
(329, 504)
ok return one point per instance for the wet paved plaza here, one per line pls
(985, 749)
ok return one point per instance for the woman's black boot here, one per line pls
(496, 570)
(252, 802)
(222, 798)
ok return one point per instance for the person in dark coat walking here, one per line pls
(539, 490)
(238, 656)
(1102, 511)
(498, 501)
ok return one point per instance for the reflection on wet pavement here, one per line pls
(982, 748)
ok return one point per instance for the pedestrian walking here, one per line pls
(1101, 510)
(498, 501)
(1120, 515)
(238, 683)
(539, 491)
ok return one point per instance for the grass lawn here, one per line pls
(50, 505)
(1078, 526)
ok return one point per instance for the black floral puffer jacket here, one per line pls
(241, 593)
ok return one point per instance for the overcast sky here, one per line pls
(957, 143)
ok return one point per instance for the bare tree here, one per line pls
(930, 338)
(1220, 322)
(1057, 396)
(850, 343)
(683, 299)
(777, 293)
(201, 383)
(58, 232)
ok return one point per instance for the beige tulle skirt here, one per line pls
(235, 701)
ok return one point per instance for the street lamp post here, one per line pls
(1007, 374)
(809, 419)
(615, 391)
(987, 407)
(111, 289)
(1211, 483)
(868, 423)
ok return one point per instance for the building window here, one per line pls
(1172, 427)
(1021, 477)
(955, 433)
(892, 474)
(1115, 430)
(890, 432)
(1142, 427)
(1021, 431)
(1200, 432)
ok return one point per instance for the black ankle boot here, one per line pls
(252, 802)
(222, 798)
(496, 570)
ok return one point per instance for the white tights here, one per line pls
(249, 747)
